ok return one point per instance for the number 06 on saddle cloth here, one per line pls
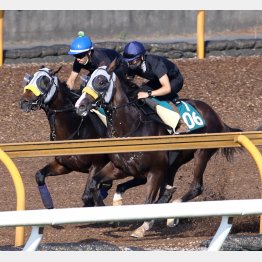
(190, 116)
(181, 112)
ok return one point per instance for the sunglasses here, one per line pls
(135, 61)
(80, 56)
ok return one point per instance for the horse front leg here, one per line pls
(154, 180)
(121, 189)
(105, 176)
(52, 169)
(87, 197)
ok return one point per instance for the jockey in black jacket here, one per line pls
(165, 79)
(87, 57)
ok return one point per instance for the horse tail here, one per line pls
(229, 152)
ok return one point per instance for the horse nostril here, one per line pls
(21, 104)
(24, 105)
(82, 110)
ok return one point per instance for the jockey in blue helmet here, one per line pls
(87, 57)
(165, 79)
(80, 45)
(133, 52)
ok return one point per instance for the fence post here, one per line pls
(254, 152)
(1, 37)
(20, 193)
(200, 34)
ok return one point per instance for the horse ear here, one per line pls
(110, 68)
(55, 72)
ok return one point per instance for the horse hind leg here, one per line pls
(196, 187)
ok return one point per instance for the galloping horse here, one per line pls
(125, 119)
(45, 91)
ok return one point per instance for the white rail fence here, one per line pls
(227, 209)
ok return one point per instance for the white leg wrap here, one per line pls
(140, 232)
(117, 199)
(172, 222)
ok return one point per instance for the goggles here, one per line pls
(80, 56)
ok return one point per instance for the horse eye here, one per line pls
(43, 82)
(100, 83)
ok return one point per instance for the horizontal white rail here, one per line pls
(42, 217)
(130, 212)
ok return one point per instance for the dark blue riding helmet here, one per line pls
(133, 50)
(80, 44)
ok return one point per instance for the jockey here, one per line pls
(87, 57)
(165, 79)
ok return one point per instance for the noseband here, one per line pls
(45, 96)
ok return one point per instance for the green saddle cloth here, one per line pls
(192, 118)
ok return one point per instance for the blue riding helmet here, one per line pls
(80, 44)
(133, 50)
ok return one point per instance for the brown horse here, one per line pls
(125, 119)
(45, 91)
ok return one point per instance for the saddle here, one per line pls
(178, 116)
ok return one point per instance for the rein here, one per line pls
(110, 111)
(52, 115)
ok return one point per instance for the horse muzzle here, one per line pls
(83, 108)
(27, 106)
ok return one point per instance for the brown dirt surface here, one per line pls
(232, 86)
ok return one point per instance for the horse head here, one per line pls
(99, 90)
(39, 89)
(109, 91)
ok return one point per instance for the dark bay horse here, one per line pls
(125, 119)
(45, 91)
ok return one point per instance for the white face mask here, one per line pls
(143, 66)
(102, 71)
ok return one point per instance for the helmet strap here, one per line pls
(88, 54)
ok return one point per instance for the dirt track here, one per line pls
(232, 86)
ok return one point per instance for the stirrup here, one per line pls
(173, 132)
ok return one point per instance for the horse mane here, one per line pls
(130, 89)
(73, 96)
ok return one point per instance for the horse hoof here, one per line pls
(118, 202)
(172, 222)
(138, 233)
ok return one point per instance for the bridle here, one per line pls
(45, 96)
(101, 100)
(111, 110)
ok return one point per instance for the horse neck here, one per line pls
(64, 122)
(124, 118)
